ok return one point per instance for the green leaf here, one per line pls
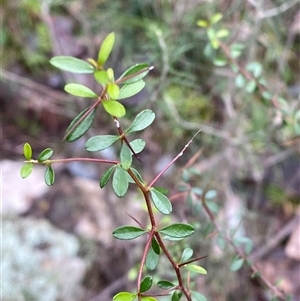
(27, 151)
(210, 194)
(128, 232)
(186, 254)
(176, 296)
(198, 297)
(195, 268)
(80, 90)
(141, 121)
(151, 259)
(256, 68)
(148, 298)
(178, 230)
(125, 156)
(82, 127)
(155, 246)
(165, 284)
(236, 264)
(240, 81)
(49, 176)
(132, 70)
(131, 89)
(161, 202)
(137, 174)
(72, 64)
(120, 182)
(203, 23)
(222, 33)
(26, 170)
(251, 86)
(106, 48)
(100, 142)
(124, 296)
(236, 50)
(146, 284)
(45, 154)
(113, 91)
(216, 18)
(137, 145)
(106, 176)
(101, 77)
(114, 108)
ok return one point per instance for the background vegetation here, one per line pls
(243, 95)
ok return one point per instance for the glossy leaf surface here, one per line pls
(114, 108)
(100, 142)
(106, 176)
(148, 298)
(146, 284)
(141, 121)
(165, 284)
(178, 230)
(82, 127)
(106, 48)
(120, 182)
(45, 154)
(72, 64)
(132, 89)
(138, 68)
(27, 151)
(155, 246)
(26, 170)
(161, 202)
(49, 176)
(124, 296)
(128, 232)
(79, 90)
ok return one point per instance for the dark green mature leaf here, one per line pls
(131, 89)
(120, 182)
(106, 48)
(49, 176)
(186, 254)
(155, 246)
(125, 156)
(151, 259)
(82, 127)
(146, 284)
(178, 230)
(114, 108)
(141, 121)
(106, 176)
(27, 151)
(236, 264)
(198, 297)
(72, 64)
(45, 154)
(176, 296)
(100, 142)
(132, 70)
(137, 145)
(161, 202)
(165, 284)
(113, 91)
(128, 232)
(195, 268)
(124, 296)
(137, 174)
(79, 90)
(26, 170)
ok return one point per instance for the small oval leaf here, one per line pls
(101, 77)
(125, 156)
(124, 296)
(186, 254)
(120, 182)
(100, 142)
(131, 89)
(161, 202)
(155, 246)
(164, 284)
(49, 176)
(137, 145)
(151, 260)
(178, 230)
(82, 127)
(45, 154)
(141, 121)
(26, 170)
(114, 108)
(198, 297)
(236, 264)
(130, 72)
(106, 176)
(146, 284)
(79, 90)
(72, 64)
(128, 232)
(106, 48)
(113, 91)
(27, 151)
(195, 268)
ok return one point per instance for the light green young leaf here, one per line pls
(120, 182)
(80, 90)
(128, 232)
(49, 176)
(216, 18)
(72, 64)
(251, 86)
(198, 297)
(27, 151)
(114, 108)
(148, 298)
(137, 145)
(222, 33)
(101, 77)
(106, 176)
(186, 254)
(125, 156)
(195, 268)
(26, 170)
(255, 67)
(141, 121)
(113, 91)
(236, 264)
(203, 23)
(236, 50)
(100, 142)
(152, 260)
(82, 127)
(106, 48)
(178, 230)
(146, 284)
(131, 89)
(161, 202)
(136, 69)
(45, 154)
(124, 296)
(165, 284)
(240, 81)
